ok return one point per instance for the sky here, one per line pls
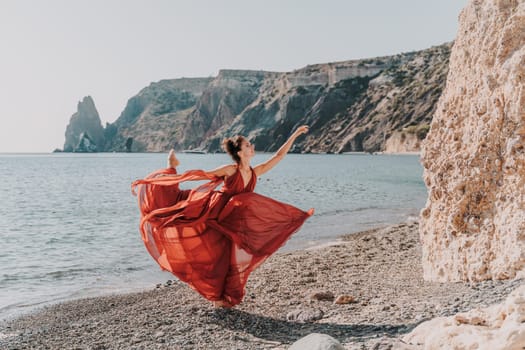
(55, 52)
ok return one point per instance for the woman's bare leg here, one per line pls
(173, 162)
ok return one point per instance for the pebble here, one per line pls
(305, 315)
(322, 296)
(159, 334)
(344, 299)
(316, 341)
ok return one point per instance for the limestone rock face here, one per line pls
(500, 326)
(85, 121)
(407, 140)
(473, 225)
(362, 114)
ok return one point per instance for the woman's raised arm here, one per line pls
(279, 155)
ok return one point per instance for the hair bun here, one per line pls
(232, 146)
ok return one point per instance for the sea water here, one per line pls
(69, 224)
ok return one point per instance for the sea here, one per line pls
(69, 223)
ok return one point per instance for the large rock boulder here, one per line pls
(500, 326)
(473, 225)
(316, 341)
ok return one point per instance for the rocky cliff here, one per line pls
(400, 99)
(84, 132)
(473, 225)
(155, 118)
(353, 105)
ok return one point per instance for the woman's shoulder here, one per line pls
(229, 169)
(224, 170)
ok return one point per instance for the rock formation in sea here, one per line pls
(473, 225)
(84, 132)
(378, 104)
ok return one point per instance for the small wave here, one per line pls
(17, 309)
(412, 218)
(134, 268)
(52, 241)
(33, 304)
(348, 211)
(71, 273)
(10, 278)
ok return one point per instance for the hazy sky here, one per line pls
(55, 52)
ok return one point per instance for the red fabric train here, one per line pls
(210, 239)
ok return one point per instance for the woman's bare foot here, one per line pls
(222, 304)
(310, 211)
(173, 162)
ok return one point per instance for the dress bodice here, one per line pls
(235, 184)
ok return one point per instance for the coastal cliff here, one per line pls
(473, 225)
(355, 105)
(156, 116)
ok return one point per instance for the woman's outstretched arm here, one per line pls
(222, 171)
(279, 155)
(225, 170)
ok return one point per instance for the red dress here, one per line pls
(211, 239)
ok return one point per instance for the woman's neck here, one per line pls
(244, 164)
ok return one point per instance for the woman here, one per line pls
(210, 239)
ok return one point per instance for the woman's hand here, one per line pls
(303, 129)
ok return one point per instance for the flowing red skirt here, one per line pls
(210, 239)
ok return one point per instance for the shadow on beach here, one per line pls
(287, 332)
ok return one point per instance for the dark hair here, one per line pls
(232, 145)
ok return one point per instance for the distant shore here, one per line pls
(205, 152)
(379, 269)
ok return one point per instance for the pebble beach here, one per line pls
(366, 290)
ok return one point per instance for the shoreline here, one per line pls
(38, 306)
(379, 268)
